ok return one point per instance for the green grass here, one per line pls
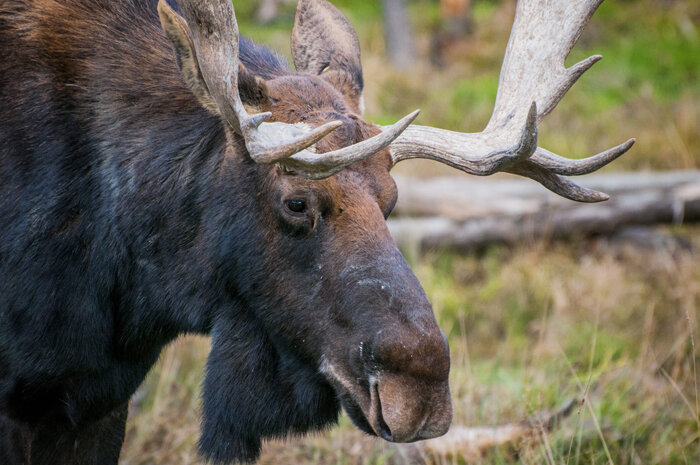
(532, 326)
(529, 328)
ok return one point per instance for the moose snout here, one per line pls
(409, 394)
(406, 410)
(392, 376)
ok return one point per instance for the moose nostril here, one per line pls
(378, 423)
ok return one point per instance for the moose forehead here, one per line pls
(354, 188)
(361, 196)
(299, 96)
(312, 100)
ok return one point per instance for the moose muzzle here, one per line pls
(390, 366)
(408, 390)
(404, 410)
(394, 406)
(398, 390)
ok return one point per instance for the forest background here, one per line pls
(610, 321)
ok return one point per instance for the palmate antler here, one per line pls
(213, 32)
(533, 81)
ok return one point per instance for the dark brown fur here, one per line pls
(130, 214)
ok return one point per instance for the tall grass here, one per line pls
(612, 322)
(529, 327)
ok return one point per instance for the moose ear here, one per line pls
(180, 36)
(252, 89)
(253, 392)
(325, 44)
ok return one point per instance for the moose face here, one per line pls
(345, 299)
(377, 341)
(347, 302)
(331, 310)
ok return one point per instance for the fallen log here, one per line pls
(472, 443)
(467, 213)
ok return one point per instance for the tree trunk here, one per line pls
(268, 11)
(467, 213)
(456, 16)
(455, 23)
(398, 33)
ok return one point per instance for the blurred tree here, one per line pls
(455, 23)
(398, 33)
(456, 16)
(269, 10)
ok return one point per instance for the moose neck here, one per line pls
(163, 160)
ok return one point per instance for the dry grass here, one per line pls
(605, 320)
(609, 321)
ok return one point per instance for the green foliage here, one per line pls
(660, 52)
(647, 85)
(532, 326)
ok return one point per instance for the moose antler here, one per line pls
(533, 80)
(215, 37)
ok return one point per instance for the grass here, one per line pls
(603, 320)
(529, 328)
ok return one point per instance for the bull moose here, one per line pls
(160, 175)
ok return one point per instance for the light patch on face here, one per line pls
(362, 104)
(329, 371)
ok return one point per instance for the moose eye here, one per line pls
(296, 205)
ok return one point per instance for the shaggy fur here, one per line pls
(129, 215)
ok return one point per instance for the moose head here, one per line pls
(323, 311)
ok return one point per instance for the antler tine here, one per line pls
(560, 165)
(215, 38)
(314, 166)
(543, 34)
(557, 184)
